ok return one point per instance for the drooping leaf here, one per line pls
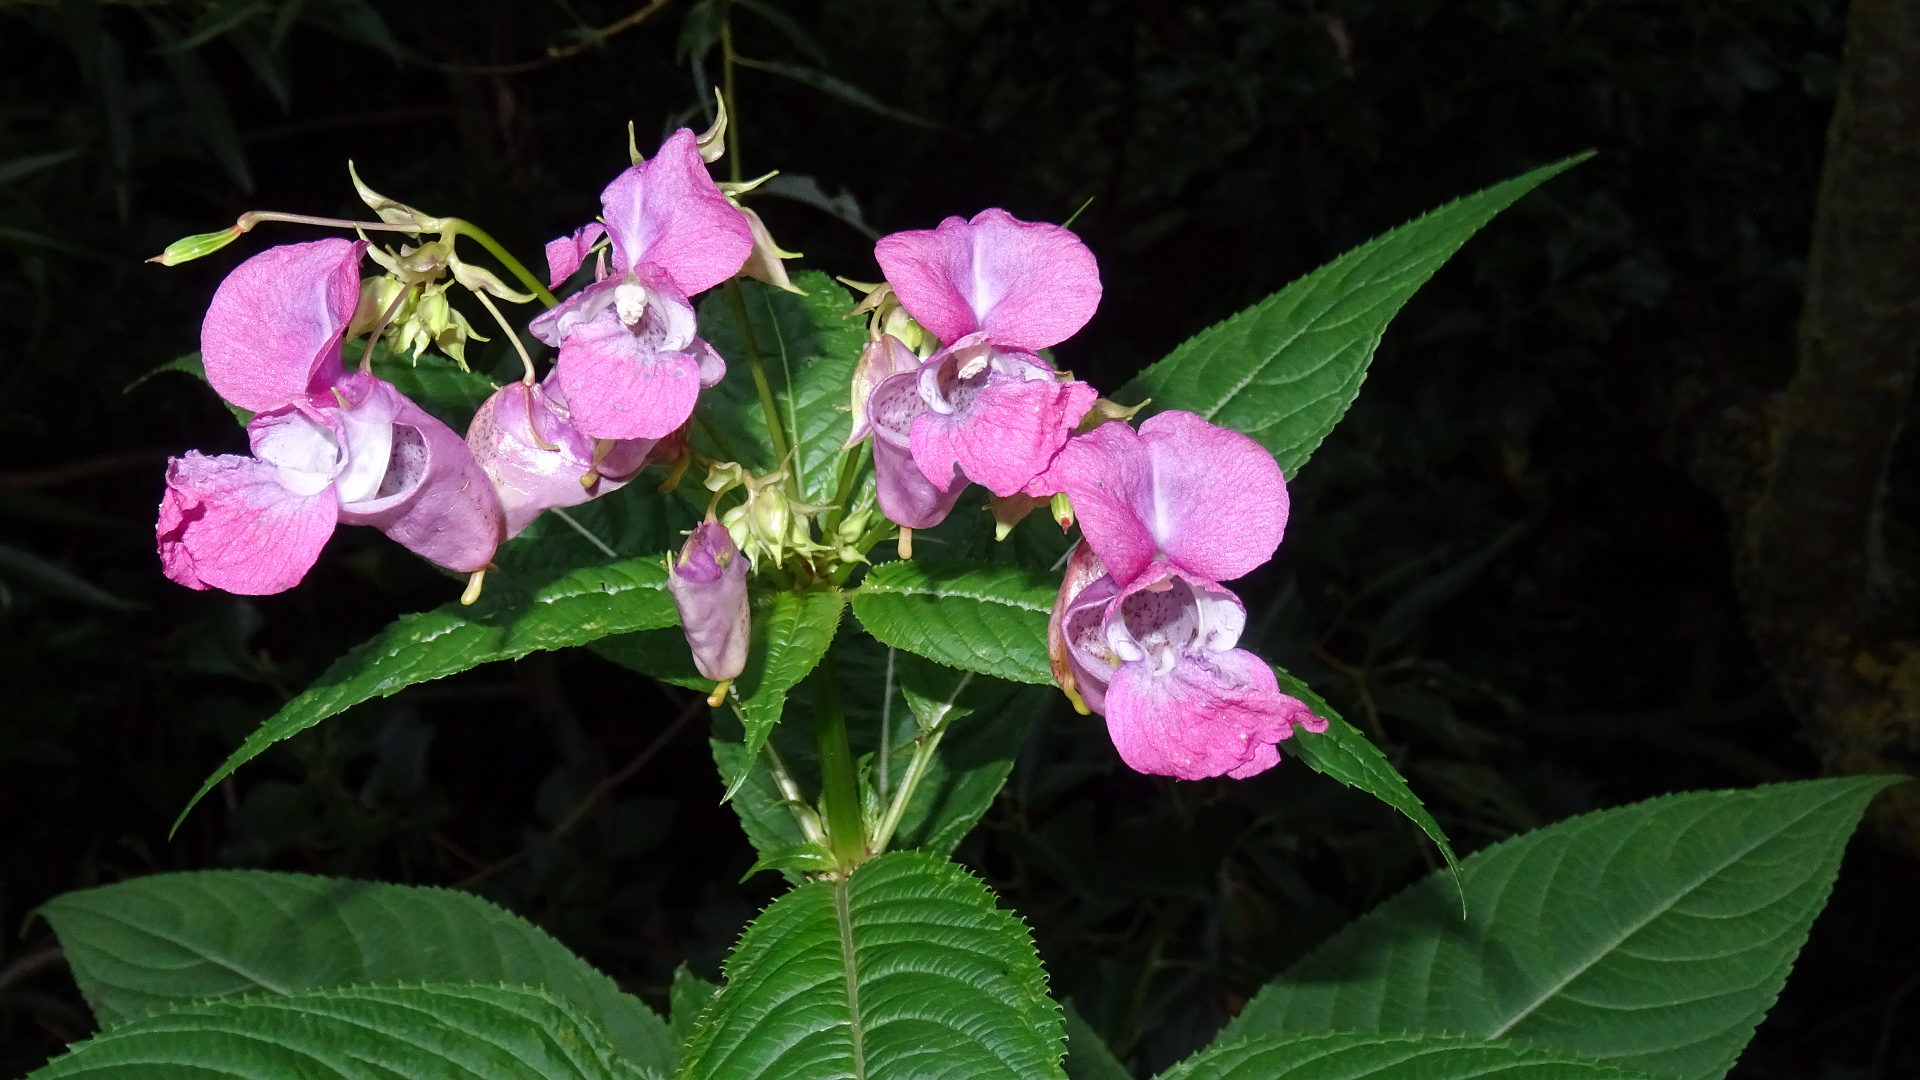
(153, 943)
(906, 969)
(1652, 936)
(986, 618)
(836, 87)
(509, 622)
(1285, 370)
(442, 1031)
(808, 351)
(1349, 1055)
(1346, 754)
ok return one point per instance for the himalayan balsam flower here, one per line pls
(889, 405)
(1158, 659)
(329, 447)
(525, 438)
(995, 290)
(630, 364)
(709, 588)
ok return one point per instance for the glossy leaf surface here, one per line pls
(986, 618)
(1348, 1055)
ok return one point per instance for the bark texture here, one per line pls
(1823, 605)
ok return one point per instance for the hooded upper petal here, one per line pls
(1026, 285)
(1211, 499)
(667, 212)
(229, 523)
(432, 498)
(273, 331)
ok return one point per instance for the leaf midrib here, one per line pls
(843, 920)
(1655, 913)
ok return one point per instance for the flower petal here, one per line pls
(667, 212)
(1007, 434)
(1104, 473)
(433, 498)
(1028, 285)
(709, 588)
(228, 523)
(527, 445)
(620, 387)
(272, 333)
(1218, 504)
(905, 495)
(1213, 714)
(565, 255)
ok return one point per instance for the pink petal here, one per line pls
(1213, 714)
(1106, 474)
(618, 388)
(434, 499)
(565, 255)
(708, 584)
(1218, 504)
(879, 361)
(1028, 285)
(272, 333)
(227, 523)
(905, 495)
(667, 212)
(1077, 648)
(527, 445)
(1005, 436)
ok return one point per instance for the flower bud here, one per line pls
(709, 589)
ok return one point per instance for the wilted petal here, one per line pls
(565, 255)
(229, 523)
(1005, 427)
(432, 498)
(273, 331)
(668, 213)
(709, 588)
(905, 495)
(1027, 285)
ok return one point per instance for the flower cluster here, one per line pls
(954, 388)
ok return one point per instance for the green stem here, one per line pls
(752, 347)
(727, 58)
(850, 465)
(462, 227)
(803, 814)
(839, 793)
(923, 749)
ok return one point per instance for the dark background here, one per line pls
(1497, 565)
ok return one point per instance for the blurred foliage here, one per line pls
(1491, 568)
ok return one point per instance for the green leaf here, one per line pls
(1351, 1055)
(206, 106)
(906, 969)
(805, 857)
(50, 577)
(444, 1031)
(983, 723)
(1285, 370)
(509, 622)
(26, 165)
(191, 364)
(834, 86)
(1654, 936)
(808, 350)
(153, 943)
(1087, 1055)
(986, 618)
(686, 999)
(1348, 756)
(790, 635)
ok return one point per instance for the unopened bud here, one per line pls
(1062, 510)
(1105, 411)
(188, 248)
(709, 589)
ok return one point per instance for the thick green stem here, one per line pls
(462, 227)
(839, 793)
(751, 345)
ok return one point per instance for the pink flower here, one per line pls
(630, 363)
(329, 447)
(890, 402)
(709, 588)
(525, 439)
(1157, 658)
(996, 290)
(1212, 501)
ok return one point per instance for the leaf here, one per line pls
(153, 943)
(986, 618)
(789, 26)
(689, 995)
(509, 622)
(52, 578)
(216, 20)
(983, 723)
(354, 20)
(834, 86)
(790, 636)
(205, 106)
(1087, 1055)
(906, 969)
(805, 857)
(1285, 370)
(1350, 1055)
(1653, 936)
(1348, 756)
(191, 364)
(808, 351)
(18, 168)
(436, 1032)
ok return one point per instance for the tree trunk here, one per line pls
(1821, 601)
